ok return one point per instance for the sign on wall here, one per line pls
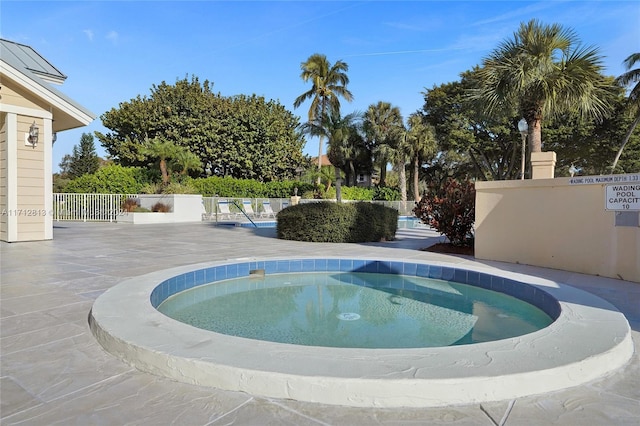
(622, 197)
(595, 180)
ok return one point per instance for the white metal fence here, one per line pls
(88, 207)
(211, 205)
(107, 207)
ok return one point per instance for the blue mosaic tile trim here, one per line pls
(526, 292)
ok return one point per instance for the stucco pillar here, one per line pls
(543, 165)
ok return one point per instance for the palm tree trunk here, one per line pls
(320, 143)
(402, 172)
(338, 185)
(535, 135)
(626, 139)
(383, 173)
(164, 172)
(416, 178)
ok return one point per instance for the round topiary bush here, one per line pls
(337, 223)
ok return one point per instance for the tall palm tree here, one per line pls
(544, 70)
(338, 131)
(384, 127)
(421, 146)
(631, 76)
(328, 84)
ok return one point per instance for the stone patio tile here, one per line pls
(41, 302)
(470, 415)
(56, 369)
(134, 399)
(578, 407)
(15, 398)
(43, 336)
(14, 324)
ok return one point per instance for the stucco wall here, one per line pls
(555, 224)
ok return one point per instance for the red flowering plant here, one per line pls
(450, 210)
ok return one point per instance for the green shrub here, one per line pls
(450, 209)
(352, 193)
(337, 223)
(249, 188)
(386, 193)
(171, 188)
(112, 179)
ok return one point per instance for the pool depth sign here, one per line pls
(623, 197)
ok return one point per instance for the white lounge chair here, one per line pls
(223, 211)
(248, 208)
(267, 211)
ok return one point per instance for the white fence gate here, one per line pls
(88, 207)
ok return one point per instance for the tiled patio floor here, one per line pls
(54, 372)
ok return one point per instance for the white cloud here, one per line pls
(89, 34)
(113, 36)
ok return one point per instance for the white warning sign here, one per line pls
(623, 197)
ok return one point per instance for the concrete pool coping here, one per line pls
(590, 339)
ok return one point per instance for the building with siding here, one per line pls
(28, 104)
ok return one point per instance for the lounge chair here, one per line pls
(248, 208)
(267, 211)
(223, 211)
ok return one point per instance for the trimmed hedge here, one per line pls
(231, 187)
(337, 223)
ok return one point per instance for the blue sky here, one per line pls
(113, 51)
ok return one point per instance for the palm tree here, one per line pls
(384, 127)
(186, 160)
(328, 84)
(544, 71)
(162, 150)
(631, 76)
(421, 145)
(338, 131)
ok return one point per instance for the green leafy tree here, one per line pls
(384, 127)
(590, 145)
(543, 71)
(631, 76)
(240, 136)
(328, 85)
(490, 144)
(83, 159)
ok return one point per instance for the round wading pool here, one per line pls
(355, 310)
(575, 336)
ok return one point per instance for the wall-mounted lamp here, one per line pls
(54, 138)
(32, 136)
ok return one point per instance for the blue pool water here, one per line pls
(354, 309)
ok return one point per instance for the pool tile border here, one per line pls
(523, 291)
